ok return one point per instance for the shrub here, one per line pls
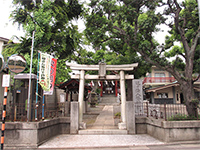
(118, 115)
(180, 117)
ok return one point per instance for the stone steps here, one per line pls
(108, 100)
(102, 132)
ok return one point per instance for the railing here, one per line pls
(159, 80)
(18, 112)
(163, 111)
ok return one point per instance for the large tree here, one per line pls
(128, 25)
(54, 30)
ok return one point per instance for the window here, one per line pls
(162, 95)
(159, 74)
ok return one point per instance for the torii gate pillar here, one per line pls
(123, 96)
(81, 95)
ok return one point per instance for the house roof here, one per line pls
(168, 86)
(197, 89)
(162, 87)
(4, 39)
(72, 85)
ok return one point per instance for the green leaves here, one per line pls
(176, 50)
(52, 21)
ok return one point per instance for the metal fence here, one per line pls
(18, 112)
(164, 111)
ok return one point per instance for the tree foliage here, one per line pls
(52, 23)
(126, 27)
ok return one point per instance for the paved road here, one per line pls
(95, 141)
(144, 147)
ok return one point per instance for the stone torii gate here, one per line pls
(102, 68)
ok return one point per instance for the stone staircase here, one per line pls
(108, 100)
(102, 132)
(104, 123)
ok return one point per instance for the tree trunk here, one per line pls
(188, 94)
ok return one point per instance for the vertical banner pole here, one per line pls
(36, 100)
(4, 111)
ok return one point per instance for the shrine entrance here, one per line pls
(102, 68)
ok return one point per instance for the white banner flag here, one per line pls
(44, 71)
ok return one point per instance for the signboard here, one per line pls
(52, 76)
(47, 72)
(6, 80)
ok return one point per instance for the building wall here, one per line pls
(155, 70)
(1, 75)
(1, 46)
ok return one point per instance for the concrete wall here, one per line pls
(169, 131)
(32, 134)
(1, 46)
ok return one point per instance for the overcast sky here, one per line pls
(8, 30)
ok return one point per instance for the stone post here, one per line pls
(74, 118)
(81, 96)
(67, 108)
(122, 125)
(130, 113)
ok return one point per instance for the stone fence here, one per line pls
(169, 131)
(33, 134)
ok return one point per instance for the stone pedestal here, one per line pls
(122, 126)
(82, 125)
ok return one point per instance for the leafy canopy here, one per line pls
(54, 30)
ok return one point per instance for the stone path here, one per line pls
(105, 119)
(99, 141)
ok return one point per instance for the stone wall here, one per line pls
(32, 134)
(169, 131)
